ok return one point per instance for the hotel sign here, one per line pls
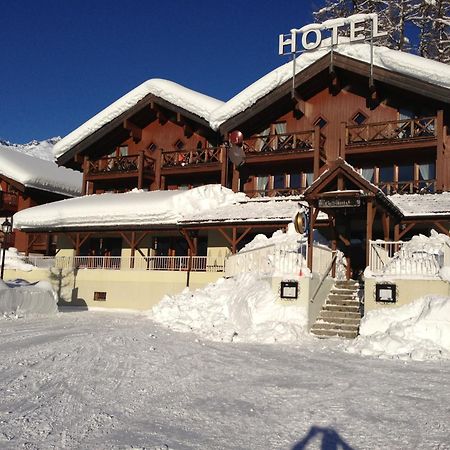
(339, 202)
(360, 27)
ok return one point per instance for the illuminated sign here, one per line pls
(360, 28)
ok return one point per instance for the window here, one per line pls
(367, 173)
(359, 118)
(386, 174)
(179, 144)
(123, 150)
(320, 122)
(99, 296)
(279, 181)
(152, 147)
(295, 180)
(406, 173)
(262, 183)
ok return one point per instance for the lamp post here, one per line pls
(6, 229)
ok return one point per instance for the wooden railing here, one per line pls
(280, 192)
(8, 201)
(396, 130)
(285, 142)
(121, 164)
(183, 158)
(408, 187)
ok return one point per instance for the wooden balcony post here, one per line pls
(442, 182)
(342, 139)
(158, 165)
(140, 169)
(316, 166)
(223, 166)
(85, 172)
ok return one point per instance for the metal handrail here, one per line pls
(322, 279)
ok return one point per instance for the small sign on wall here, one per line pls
(386, 292)
(289, 290)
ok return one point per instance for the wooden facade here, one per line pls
(393, 133)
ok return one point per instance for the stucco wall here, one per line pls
(138, 290)
(407, 291)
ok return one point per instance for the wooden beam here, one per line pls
(441, 227)
(406, 229)
(135, 131)
(316, 163)
(242, 236)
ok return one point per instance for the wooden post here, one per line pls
(442, 181)
(342, 139)
(85, 172)
(140, 169)
(369, 226)
(158, 164)
(316, 152)
(224, 166)
(234, 243)
(385, 221)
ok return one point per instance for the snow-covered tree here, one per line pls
(402, 20)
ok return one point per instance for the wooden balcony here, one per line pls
(199, 159)
(408, 187)
(8, 202)
(302, 141)
(140, 166)
(420, 132)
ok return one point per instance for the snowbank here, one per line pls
(20, 299)
(239, 309)
(13, 260)
(419, 331)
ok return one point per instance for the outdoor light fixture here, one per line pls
(6, 229)
(289, 290)
(386, 292)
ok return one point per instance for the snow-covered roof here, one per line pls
(417, 205)
(217, 112)
(131, 209)
(39, 174)
(256, 210)
(192, 101)
(393, 60)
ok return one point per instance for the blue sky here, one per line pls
(63, 61)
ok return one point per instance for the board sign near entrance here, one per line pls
(339, 202)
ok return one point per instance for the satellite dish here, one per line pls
(301, 222)
(236, 155)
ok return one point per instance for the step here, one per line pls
(340, 315)
(335, 326)
(322, 333)
(347, 284)
(343, 302)
(342, 293)
(343, 308)
(340, 320)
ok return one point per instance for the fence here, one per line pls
(167, 263)
(408, 258)
(285, 259)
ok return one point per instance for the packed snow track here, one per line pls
(108, 380)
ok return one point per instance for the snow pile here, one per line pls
(283, 254)
(39, 174)
(129, 208)
(36, 149)
(422, 255)
(241, 309)
(21, 299)
(192, 101)
(419, 331)
(13, 260)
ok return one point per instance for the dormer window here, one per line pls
(320, 122)
(359, 118)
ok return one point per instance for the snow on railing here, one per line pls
(406, 258)
(166, 263)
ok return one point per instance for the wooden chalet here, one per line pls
(370, 140)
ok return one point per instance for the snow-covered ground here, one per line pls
(109, 380)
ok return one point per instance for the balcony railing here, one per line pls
(184, 158)
(397, 130)
(121, 164)
(408, 187)
(8, 201)
(286, 142)
(284, 192)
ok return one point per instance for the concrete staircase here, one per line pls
(341, 313)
